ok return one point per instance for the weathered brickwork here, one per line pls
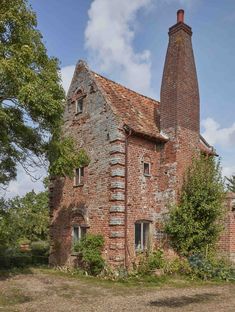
(139, 150)
(227, 241)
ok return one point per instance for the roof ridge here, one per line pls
(117, 83)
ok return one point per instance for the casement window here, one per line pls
(79, 176)
(79, 105)
(78, 232)
(142, 235)
(146, 168)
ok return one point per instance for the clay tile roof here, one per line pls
(138, 112)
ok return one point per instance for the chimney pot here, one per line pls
(180, 16)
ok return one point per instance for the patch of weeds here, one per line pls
(13, 296)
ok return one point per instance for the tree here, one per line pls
(231, 183)
(194, 224)
(31, 97)
(24, 218)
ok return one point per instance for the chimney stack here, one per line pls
(180, 107)
(180, 16)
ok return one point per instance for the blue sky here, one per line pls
(127, 40)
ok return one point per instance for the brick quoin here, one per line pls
(122, 131)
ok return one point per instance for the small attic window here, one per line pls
(79, 105)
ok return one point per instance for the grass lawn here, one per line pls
(44, 289)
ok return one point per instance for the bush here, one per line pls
(194, 224)
(177, 266)
(89, 251)
(13, 257)
(40, 252)
(150, 262)
(211, 268)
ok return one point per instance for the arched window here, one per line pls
(79, 228)
(142, 235)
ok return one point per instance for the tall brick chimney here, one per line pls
(179, 91)
(179, 106)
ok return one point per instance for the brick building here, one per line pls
(139, 149)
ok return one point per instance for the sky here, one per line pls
(126, 41)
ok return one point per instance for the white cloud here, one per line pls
(109, 39)
(224, 141)
(228, 171)
(66, 76)
(215, 134)
(25, 183)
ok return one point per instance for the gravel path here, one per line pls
(51, 293)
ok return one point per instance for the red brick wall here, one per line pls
(93, 130)
(227, 240)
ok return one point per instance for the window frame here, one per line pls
(79, 103)
(79, 174)
(147, 243)
(80, 233)
(149, 168)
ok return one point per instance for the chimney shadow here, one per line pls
(182, 301)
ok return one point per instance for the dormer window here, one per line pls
(79, 105)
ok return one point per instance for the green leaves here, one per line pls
(30, 89)
(90, 252)
(24, 218)
(194, 224)
(31, 97)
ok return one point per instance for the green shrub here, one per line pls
(177, 266)
(13, 257)
(210, 268)
(89, 251)
(194, 225)
(150, 262)
(40, 252)
(40, 248)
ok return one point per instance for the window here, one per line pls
(79, 176)
(79, 106)
(142, 235)
(146, 168)
(78, 232)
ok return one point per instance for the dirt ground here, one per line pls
(43, 291)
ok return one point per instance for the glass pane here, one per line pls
(146, 168)
(82, 171)
(79, 105)
(138, 236)
(77, 176)
(146, 235)
(75, 234)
